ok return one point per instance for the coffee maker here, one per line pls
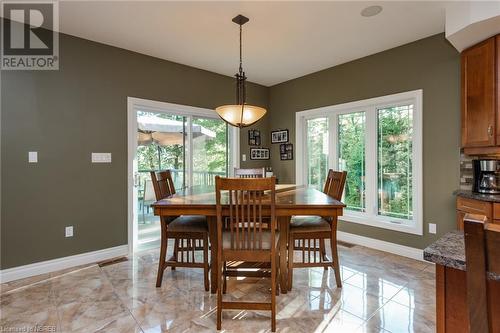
(486, 176)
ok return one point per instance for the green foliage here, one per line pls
(317, 159)
(351, 152)
(210, 153)
(394, 161)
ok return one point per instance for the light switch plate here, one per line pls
(101, 157)
(68, 231)
(432, 228)
(244, 157)
(32, 157)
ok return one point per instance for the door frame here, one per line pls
(133, 104)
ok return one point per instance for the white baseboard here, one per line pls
(381, 245)
(16, 273)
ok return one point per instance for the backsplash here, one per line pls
(466, 172)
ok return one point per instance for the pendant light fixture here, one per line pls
(240, 114)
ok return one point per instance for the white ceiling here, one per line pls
(282, 41)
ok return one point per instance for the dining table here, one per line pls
(291, 200)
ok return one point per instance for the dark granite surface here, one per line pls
(449, 251)
(477, 196)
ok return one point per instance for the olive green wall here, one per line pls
(67, 114)
(431, 64)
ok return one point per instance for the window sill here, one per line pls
(412, 227)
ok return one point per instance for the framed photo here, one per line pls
(279, 136)
(254, 137)
(286, 151)
(259, 153)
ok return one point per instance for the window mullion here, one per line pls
(371, 164)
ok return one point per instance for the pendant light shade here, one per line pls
(240, 114)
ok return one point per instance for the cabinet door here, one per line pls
(478, 95)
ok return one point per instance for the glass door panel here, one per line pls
(210, 150)
(161, 142)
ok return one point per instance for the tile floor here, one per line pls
(381, 293)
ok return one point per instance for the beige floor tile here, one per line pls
(381, 293)
(396, 317)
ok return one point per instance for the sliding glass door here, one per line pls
(194, 147)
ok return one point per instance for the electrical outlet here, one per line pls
(69, 231)
(432, 228)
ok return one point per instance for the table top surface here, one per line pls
(286, 195)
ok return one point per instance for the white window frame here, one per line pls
(138, 104)
(370, 107)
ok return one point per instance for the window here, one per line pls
(378, 142)
(351, 158)
(394, 149)
(317, 152)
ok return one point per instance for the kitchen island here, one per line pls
(448, 253)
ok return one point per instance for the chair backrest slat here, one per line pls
(245, 206)
(334, 184)
(482, 246)
(250, 173)
(163, 184)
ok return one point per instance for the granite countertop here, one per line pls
(449, 251)
(477, 196)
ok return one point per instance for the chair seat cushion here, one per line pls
(266, 239)
(189, 223)
(309, 224)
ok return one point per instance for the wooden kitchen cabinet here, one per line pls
(472, 206)
(480, 113)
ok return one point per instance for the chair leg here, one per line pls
(322, 250)
(219, 295)
(206, 268)
(273, 294)
(224, 275)
(176, 251)
(335, 257)
(278, 272)
(291, 246)
(163, 254)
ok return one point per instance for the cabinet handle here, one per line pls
(490, 130)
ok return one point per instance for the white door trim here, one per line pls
(133, 104)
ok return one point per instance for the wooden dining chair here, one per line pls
(249, 173)
(246, 239)
(482, 249)
(190, 233)
(308, 233)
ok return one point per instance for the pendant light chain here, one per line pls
(240, 114)
(241, 48)
(241, 79)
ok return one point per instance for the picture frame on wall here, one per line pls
(279, 136)
(286, 151)
(254, 137)
(259, 153)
